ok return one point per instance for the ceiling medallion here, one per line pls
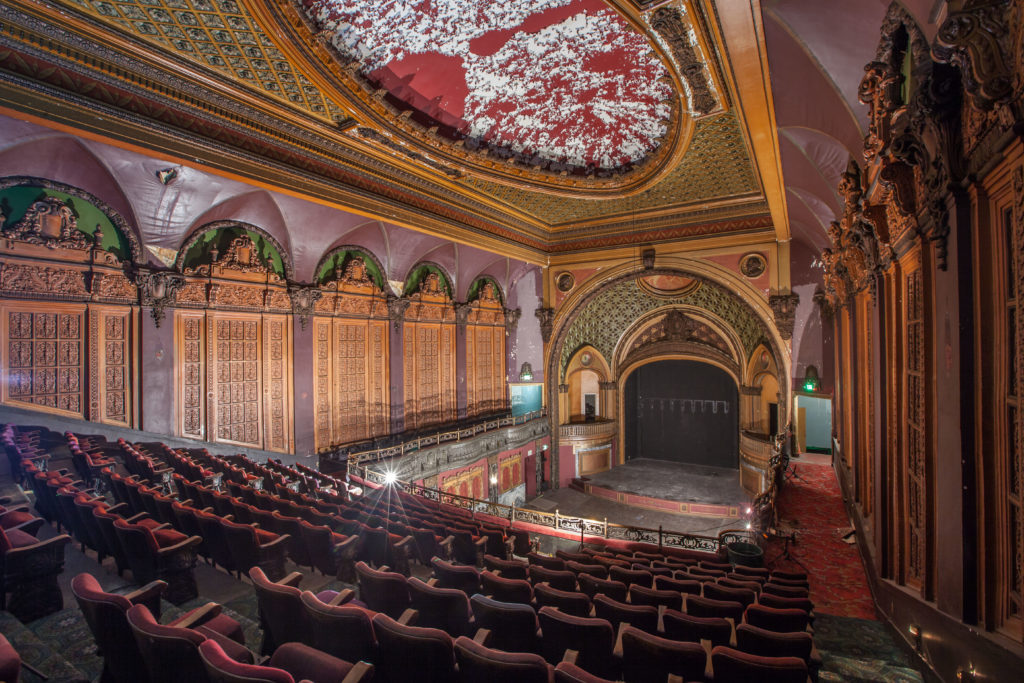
(753, 266)
(565, 282)
(560, 95)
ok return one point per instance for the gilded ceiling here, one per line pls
(254, 84)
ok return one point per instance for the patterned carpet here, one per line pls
(811, 505)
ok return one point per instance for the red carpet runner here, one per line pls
(811, 504)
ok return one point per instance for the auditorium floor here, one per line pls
(682, 482)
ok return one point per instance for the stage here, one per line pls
(652, 493)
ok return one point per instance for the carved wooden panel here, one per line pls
(915, 447)
(234, 364)
(485, 369)
(865, 404)
(43, 346)
(111, 343)
(277, 383)
(429, 362)
(190, 335)
(350, 380)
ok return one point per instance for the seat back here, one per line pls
(665, 583)
(778, 620)
(446, 609)
(592, 638)
(758, 641)
(680, 626)
(513, 626)
(639, 595)
(709, 607)
(460, 577)
(566, 602)
(404, 650)
(741, 595)
(343, 631)
(733, 666)
(556, 578)
(592, 586)
(10, 661)
(215, 541)
(647, 657)
(577, 568)
(170, 654)
(505, 590)
(385, 592)
(480, 664)
(510, 569)
(222, 669)
(643, 617)
(106, 615)
(631, 576)
(282, 614)
(320, 547)
(556, 563)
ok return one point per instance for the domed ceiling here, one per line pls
(565, 85)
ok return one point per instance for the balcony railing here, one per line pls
(587, 430)
(418, 442)
(581, 526)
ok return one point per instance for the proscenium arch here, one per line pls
(197, 233)
(633, 366)
(713, 321)
(118, 221)
(349, 247)
(571, 308)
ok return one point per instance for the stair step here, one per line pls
(63, 632)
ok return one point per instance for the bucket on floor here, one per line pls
(745, 554)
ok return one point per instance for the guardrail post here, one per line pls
(606, 527)
(659, 537)
(556, 518)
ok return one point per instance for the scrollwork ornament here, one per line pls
(972, 38)
(397, 307)
(158, 291)
(462, 311)
(512, 316)
(784, 311)
(303, 299)
(546, 316)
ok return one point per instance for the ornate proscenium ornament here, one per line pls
(158, 290)
(669, 22)
(304, 298)
(546, 316)
(396, 311)
(784, 309)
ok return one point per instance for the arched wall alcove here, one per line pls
(681, 410)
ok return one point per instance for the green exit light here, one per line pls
(809, 386)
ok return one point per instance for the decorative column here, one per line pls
(512, 316)
(608, 399)
(546, 316)
(303, 357)
(396, 361)
(461, 391)
(563, 403)
(750, 398)
(784, 309)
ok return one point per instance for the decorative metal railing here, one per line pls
(437, 438)
(586, 528)
(587, 429)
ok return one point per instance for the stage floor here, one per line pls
(674, 481)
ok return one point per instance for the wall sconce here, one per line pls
(811, 381)
(526, 373)
(494, 480)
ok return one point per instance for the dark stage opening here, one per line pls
(684, 411)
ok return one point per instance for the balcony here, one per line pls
(585, 431)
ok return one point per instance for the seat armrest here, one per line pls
(570, 656)
(204, 613)
(362, 671)
(342, 597)
(276, 543)
(31, 527)
(482, 636)
(181, 545)
(447, 543)
(432, 582)
(56, 543)
(135, 518)
(617, 650)
(291, 580)
(16, 508)
(165, 525)
(142, 596)
(117, 507)
(409, 617)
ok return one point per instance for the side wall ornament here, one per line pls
(972, 38)
(670, 25)
(462, 311)
(396, 311)
(50, 222)
(304, 298)
(512, 316)
(784, 310)
(158, 290)
(546, 316)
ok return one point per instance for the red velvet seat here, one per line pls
(597, 570)
(733, 666)
(290, 663)
(643, 617)
(171, 653)
(567, 602)
(481, 664)
(785, 591)
(680, 626)
(778, 620)
(698, 606)
(567, 672)
(582, 558)
(160, 553)
(446, 609)
(680, 585)
(758, 641)
(10, 662)
(718, 592)
(593, 639)
(755, 586)
(505, 590)
(282, 615)
(513, 625)
(546, 561)
(460, 577)
(251, 547)
(28, 571)
(404, 650)
(329, 552)
(631, 576)
(774, 601)
(563, 580)
(647, 657)
(592, 586)
(508, 569)
(383, 591)
(639, 595)
(106, 615)
(342, 630)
